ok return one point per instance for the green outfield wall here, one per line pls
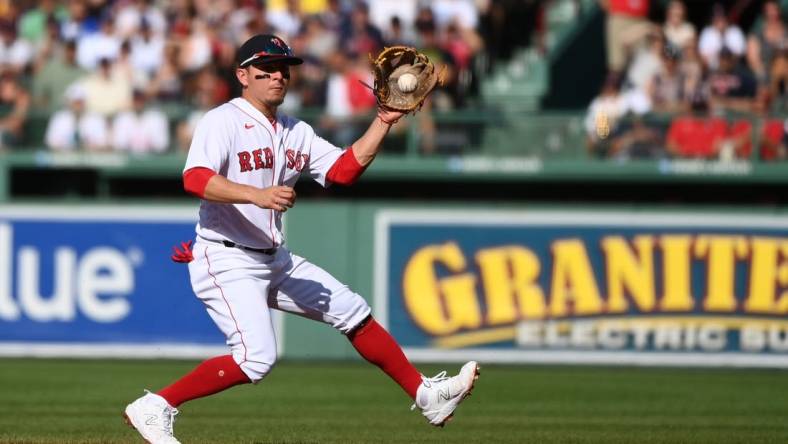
(563, 283)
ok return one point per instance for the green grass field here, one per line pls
(70, 401)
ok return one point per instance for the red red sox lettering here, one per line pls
(296, 160)
(264, 159)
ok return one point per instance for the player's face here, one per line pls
(268, 83)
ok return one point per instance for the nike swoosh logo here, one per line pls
(247, 126)
(151, 419)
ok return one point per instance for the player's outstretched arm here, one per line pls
(367, 146)
(220, 189)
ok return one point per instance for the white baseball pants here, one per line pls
(239, 287)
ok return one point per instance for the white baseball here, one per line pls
(407, 82)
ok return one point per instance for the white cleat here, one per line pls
(153, 418)
(439, 396)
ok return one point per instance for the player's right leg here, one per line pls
(233, 285)
(234, 290)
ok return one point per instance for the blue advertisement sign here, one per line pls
(657, 288)
(98, 276)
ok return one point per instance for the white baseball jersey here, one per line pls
(238, 142)
(238, 286)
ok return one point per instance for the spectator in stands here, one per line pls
(626, 24)
(362, 100)
(337, 94)
(609, 117)
(604, 113)
(738, 141)
(637, 139)
(773, 140)
(444, 97)
(142, 129)
(764, 45)
(147, 49)
(33, 23)
(91, 48)
(718, 35)
(647, 60)
(678, 31)
(16, 53)
(462, 44)
(670, 88)
(256, 23)
(207, 81)
(167, 84)
(124, 67)
(359, 35)
(195, 50)
(78, 23)
(318, 41)
(732, 85)
(107, 91)
(14, 107)
(334, 16)
(49, 46)
(203, 103)
(242, 14)
(286, 21)
(694, 137)
(179, 16)
(312, 81)
(463, 13)
(396, 34)
(778, 80)
(134, 16)
(9, 11)
(52, 79)
(691, 61)
(346, 97)
(75, 128)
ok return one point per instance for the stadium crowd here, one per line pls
(136, 75)
(108, 75)
(676, 91)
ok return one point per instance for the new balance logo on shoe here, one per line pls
(153, 418)
(439, 396)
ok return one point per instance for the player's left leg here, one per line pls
(310, 291)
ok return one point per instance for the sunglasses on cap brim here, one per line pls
(265, 57)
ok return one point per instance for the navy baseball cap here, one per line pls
(265, 48)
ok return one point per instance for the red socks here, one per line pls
(377, 346)
(212, 376)
(371, 340)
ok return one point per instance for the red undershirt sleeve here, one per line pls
(346, 170)
(196, 179)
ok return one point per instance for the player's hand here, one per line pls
(389, 116)
(278, 198)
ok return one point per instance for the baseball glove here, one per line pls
(404, 78)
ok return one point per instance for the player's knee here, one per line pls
(356, 311)
(258, 368)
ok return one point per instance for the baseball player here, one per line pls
(243, 162)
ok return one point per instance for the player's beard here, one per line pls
(275, 102)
